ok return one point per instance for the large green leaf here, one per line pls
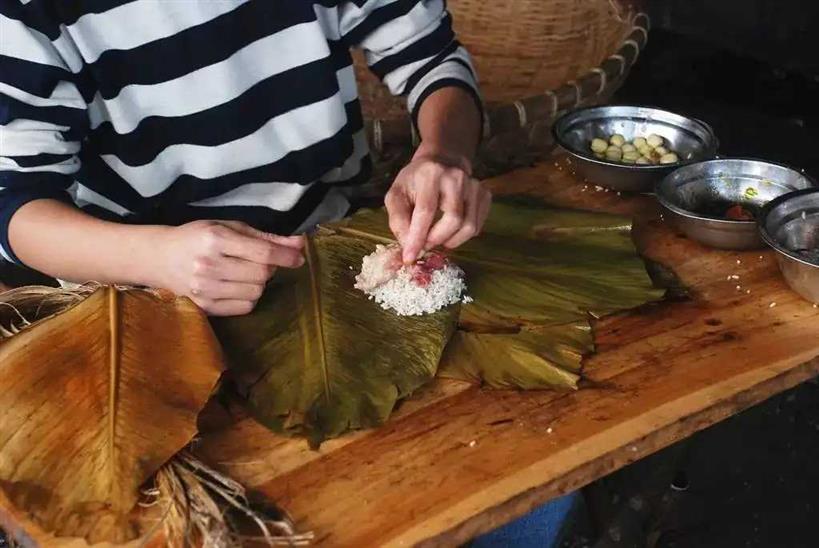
(534, 357)
(318, 358)
(537, 277)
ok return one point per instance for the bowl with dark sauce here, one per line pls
(718, 202)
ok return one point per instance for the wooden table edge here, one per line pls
(625, 444)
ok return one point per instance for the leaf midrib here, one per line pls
(113, 381)
(312, 267)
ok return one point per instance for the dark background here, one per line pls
(748, 67)
(780, 33)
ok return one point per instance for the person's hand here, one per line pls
(223, 266)
(426, 186)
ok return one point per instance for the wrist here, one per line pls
(142, 252)
(444, 155)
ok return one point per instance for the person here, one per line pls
(182, 145)
(543, 527)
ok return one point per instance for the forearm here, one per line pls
(450, 124)
(62, 241)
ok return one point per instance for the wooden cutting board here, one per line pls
(456, 460)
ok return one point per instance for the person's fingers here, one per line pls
(210, 288)
(485, 206)
(235, 244)
(454, 193)
(399, 212)
(423, 213)
(228, 307)
(296, 242)
(469, 227)
(233, 270)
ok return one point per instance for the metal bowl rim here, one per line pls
(558, 137)
(766, 236)
(699, 217)
(761, 161)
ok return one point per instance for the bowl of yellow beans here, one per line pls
(630, 148)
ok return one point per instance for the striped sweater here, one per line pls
(168, 111)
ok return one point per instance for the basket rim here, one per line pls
(388, 132)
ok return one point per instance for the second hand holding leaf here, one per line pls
(223, 266)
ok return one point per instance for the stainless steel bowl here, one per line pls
(693, 194)
(790, 225)
(691, 139)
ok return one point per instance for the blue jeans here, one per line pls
(540, 528)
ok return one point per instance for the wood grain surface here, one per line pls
(457, 460)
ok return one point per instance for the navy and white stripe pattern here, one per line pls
(171, 111)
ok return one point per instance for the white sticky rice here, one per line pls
(406, 298)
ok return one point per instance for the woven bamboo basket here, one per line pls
(535, 59)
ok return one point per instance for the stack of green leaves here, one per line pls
(317, 358)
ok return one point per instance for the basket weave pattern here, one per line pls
(525, 46)
(521, 47)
